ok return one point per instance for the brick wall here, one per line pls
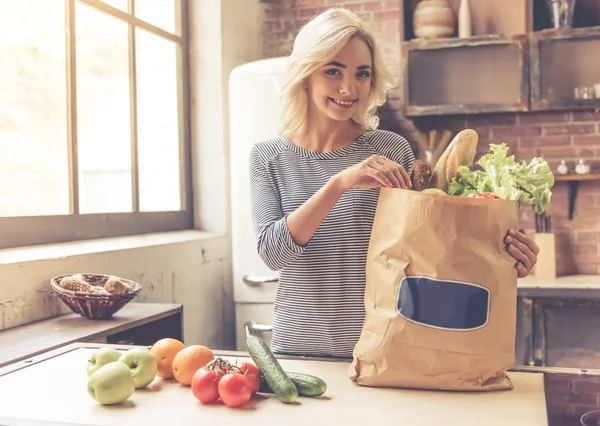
(284, 18)
(555, 136)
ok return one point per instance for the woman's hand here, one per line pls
(373, 172)
(376, 171)
(523, 249)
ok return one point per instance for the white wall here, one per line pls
(190, 267)
(225, 34)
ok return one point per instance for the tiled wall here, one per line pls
(555, 136)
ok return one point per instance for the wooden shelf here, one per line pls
(507, 17)
(487, 16)
(562, 60)
(514, 62)
(28, 340)
(573, 180)
(466, 75)
(576, 177)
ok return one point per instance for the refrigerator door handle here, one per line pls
(252, 326)
(257, 280)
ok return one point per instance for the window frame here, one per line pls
(34, 230)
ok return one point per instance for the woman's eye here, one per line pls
(363, 74)
(333, 71)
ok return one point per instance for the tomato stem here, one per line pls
(219, 364)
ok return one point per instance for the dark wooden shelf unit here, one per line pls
(515, 61)
(507, 17)
(466, 75)
(487, 16)
(562, 60)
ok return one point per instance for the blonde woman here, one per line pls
(315, 186)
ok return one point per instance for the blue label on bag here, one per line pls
(443, 304)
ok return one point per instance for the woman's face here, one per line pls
(341, 88)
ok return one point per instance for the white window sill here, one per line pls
(84, 247)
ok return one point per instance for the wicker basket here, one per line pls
(92, 305)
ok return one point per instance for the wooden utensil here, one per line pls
(433, 144)
(546, 258)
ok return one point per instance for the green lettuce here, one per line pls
(526, 183)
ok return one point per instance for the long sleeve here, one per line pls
(394, 147)
(274, 241)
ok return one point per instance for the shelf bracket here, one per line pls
(572, 194)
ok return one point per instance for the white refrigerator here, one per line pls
(254, 115)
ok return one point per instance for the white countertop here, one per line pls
(54, 390)
(568, 281)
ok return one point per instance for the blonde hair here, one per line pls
(317, 43)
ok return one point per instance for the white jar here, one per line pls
(562, 168)
(582, 168)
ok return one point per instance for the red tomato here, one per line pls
(252, 373)
(235, 389)
(248, 367)
(487, 195)
(254, 382)
(205, 385)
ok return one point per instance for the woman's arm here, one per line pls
(282, 237)
(375, 171)
(304, 221)
(274, 245)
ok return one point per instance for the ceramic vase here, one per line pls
(433, 19)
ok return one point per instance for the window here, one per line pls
(94, 119)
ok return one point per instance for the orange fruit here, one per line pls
(189, 360)
(165, 350)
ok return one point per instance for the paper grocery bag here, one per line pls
(440, 296)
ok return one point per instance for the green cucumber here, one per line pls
(306, 384)
(274, 375)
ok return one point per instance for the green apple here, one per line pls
(111, 384)
(143, 365)
(102, 357)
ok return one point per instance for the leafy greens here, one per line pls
(526, 183)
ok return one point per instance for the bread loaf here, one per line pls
(76, 283)
(420, 174)
(460, 152)
(98, 289)
(116, 286)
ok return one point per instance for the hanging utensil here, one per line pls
(542, 223)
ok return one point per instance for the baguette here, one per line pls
(460, 152)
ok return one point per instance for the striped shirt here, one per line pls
(319, 301)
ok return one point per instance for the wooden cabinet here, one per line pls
(514, 61)
(563, 64)
(559, 327)
(466, 75)
(545, 70)
(566, 332)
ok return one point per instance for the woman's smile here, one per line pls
(343, 103)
